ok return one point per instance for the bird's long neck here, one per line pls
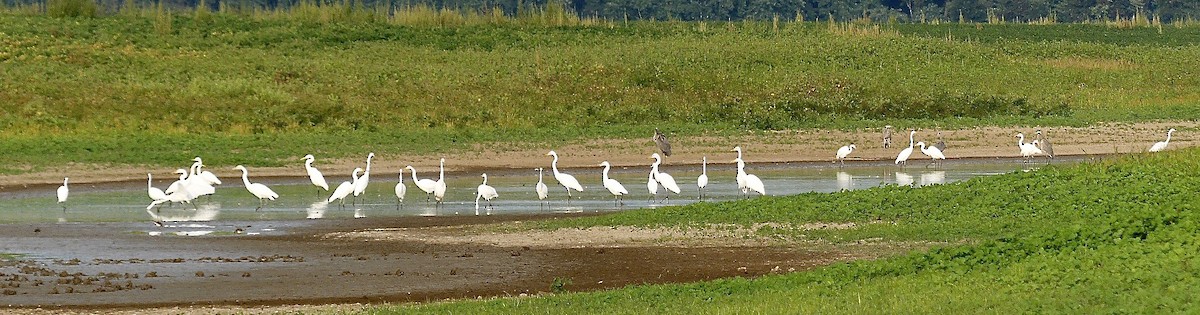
(195, 168)
(554, 165)
(414, 174)
(654, 167)
(741, 167)
(910, 138)
(485, 179)
(368, 170)
(441, 170)
(1168, 137)
(401, 177)
(606, 173)
(149, 181)
(246, 177)
(704, 166)
(308, 163)
(1020, 140)
(540, 175)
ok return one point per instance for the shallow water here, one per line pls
(233, 208)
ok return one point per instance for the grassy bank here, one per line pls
(1113, 236)
(148, 88)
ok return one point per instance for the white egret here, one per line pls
(566, 180)
(614, 187)
(154, 193)
(205, 175)
(1159, 146)
(540, 188)
(1027, 149)
(652, 185)
(933, 153)
(360, 185)
(904, 154)
(425, 185)
(665, 179)
(753, 183)
(176, 185)
(702, 180)
(487, 193)
(261, 191)
(400, 190)
(314, 175)
(439, 191)
(62, 194)
(843, 152)
(196, 184)
(345, 188)
(741, 176)
(180, 196)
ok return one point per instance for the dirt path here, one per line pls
(782, 146)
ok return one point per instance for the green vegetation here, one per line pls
(1107, 237)
(151, 86)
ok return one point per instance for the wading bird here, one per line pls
(487, 193)
(62, 194)
(314, 175)
(400, 190)
(741, 176)
(702, 180)
(940, 145)
(904, 154)
(154, 193)
(439, 190)
(566, 180)
(843, 152)
(1044, 144)
(261, 191)
(345, 188)
(1162, 145)
(661, 141)
(540, 188)
(933, 153)
(360, 185)
(753, 183)
(614, 187)
(652, 186)
(666, 180)
(426, 185)
(1028, 150)
(207, 176)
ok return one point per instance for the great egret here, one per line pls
(400, 190)
(360, 185)
(62, 194)
(540, 188)
(1159, 146)
(487, 193)
(1027, 149)
(205, 175)
(439, 190)
(1044, 144)
(753, 183)
(180, 196)
(176, 185)
(652, 186)
(933, 153)
(661, 141)
(614, 187)
(154, 193)
(566, 180)
(904, 154)
(843, 152)
(314, 175)
(940, 144)
(426, 185)
(702, 180)
(887, 136)
(741, 176)
(261, 191)
(196, 184)
(665, 179)
(345, 188)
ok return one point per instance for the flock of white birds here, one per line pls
(195, 182)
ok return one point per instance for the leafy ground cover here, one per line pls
(1110, 236)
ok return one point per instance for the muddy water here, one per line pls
(232, 208)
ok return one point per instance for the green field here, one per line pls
(1116, 236)
(155, 88)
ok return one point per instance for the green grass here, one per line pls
(1108, 237)
(150, 86)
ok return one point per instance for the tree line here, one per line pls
(1166, 11)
